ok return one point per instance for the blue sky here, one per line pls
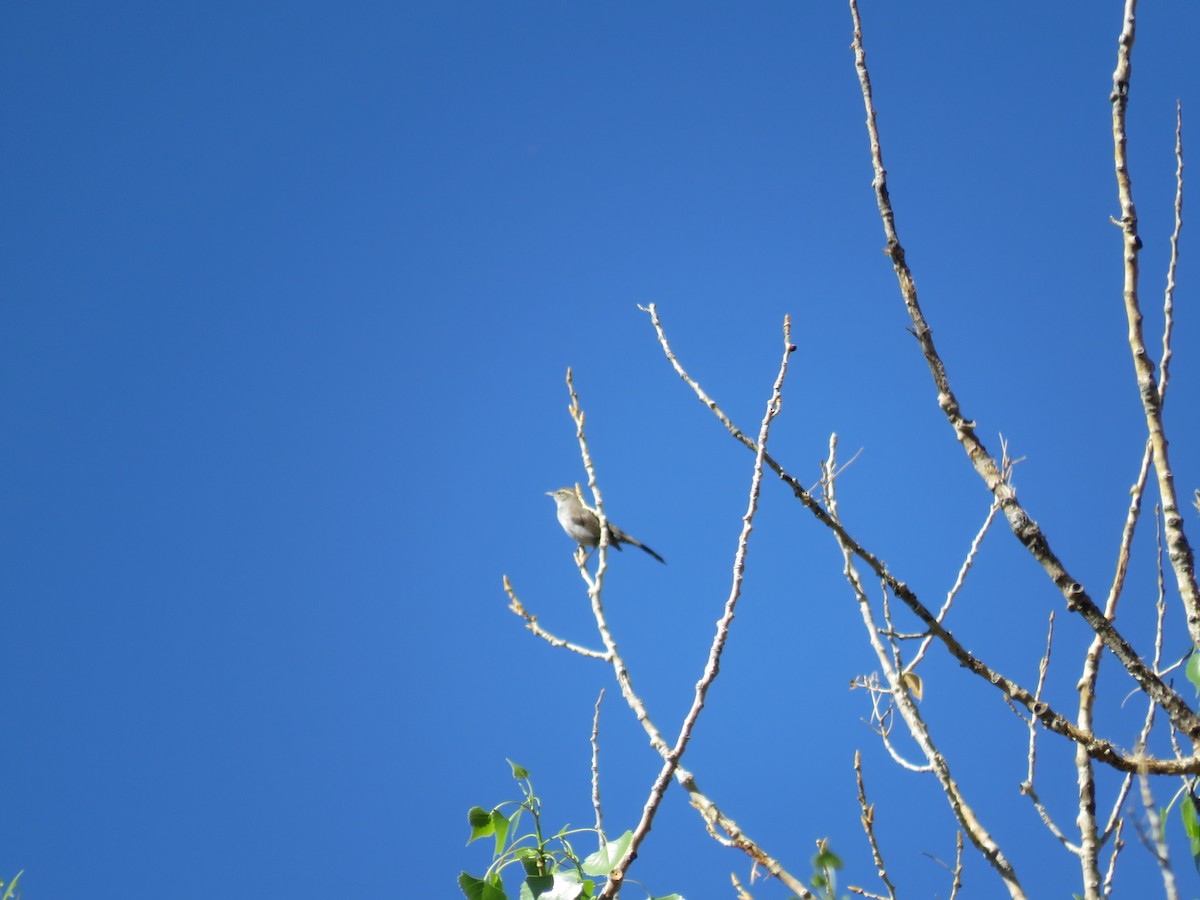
(290, 292)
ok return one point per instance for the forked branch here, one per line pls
(1022, 525)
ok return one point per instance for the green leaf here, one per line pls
(499, 823)
(1193, 670)
(476, 889)
(1191, 823)
(560, 886)
(518, 771)
(8, 895)
(602, 861)
(827, 859)
(480, 821)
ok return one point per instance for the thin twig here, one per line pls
(1117, 847)
(842, 468)
(1164, 365)
(1027, 787)
(1156, 841)
(868, 824)
(596, 772)
(531, 623)
(907, 708)
(1136, 492)
(958, 583)
(671, 759)
(1115, 821)
(863, 892)
(956, 884)
(882, 719)
(1161, 602)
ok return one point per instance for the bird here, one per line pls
(582, 525)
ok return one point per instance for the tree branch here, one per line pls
(713, 666)
(1025, 529)
(1179, 550)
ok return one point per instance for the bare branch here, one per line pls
(881, 719)
(958, 867)
(907, 708)
(1089, 837)
(1139, 486)
(671, 759)
(1118, 846)
(1164, 366)
(868, 824)
(1052, 720)
(1023, 526)
(1155, 839)
(1136, 492)
(531, 623)
(1027, 787)
(958, 583)
(727, 832)
(742, 893)
(1179, 550)
(713, 816)
(596, 772)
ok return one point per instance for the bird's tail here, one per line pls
(635, 543)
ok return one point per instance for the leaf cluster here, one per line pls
(552, 869)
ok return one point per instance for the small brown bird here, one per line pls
(583, 526)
